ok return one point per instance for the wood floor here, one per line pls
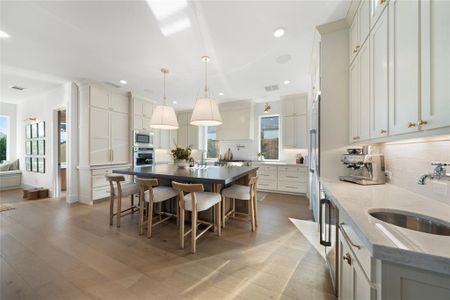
(53, 250)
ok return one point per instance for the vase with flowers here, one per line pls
(181, 155)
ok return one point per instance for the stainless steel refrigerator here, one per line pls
(314, 157)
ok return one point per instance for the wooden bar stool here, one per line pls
(197, 201)
(121, 190)
(150, 194)
(246, 193)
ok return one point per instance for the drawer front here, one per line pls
(267, 176)
(267, 184)
(99, 181)
(362, 254)
(101, 172)
(267, 169)
(292, 187)
(292, 176)
(292, 169)
(99, 193)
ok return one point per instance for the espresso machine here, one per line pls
(365, 169)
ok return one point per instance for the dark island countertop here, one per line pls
(209, 174)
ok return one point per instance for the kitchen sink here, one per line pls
(412, 221)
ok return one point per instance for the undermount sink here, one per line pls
(412, 221)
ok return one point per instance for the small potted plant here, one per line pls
(181, 155)
(260, 156)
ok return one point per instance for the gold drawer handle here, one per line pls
(347, 237)
(411, 124)
(383, 131)
(356, 137)
(422, 122)
(382, 1)
(348, 258)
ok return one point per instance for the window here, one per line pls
(212, 144)
(269, 137)
(4, 122)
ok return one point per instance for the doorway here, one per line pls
(62, 153)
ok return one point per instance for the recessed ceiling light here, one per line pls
(279, 32)
(286, 81)
(123, 81)
(4, 35)
(221, 94)
(174, 102)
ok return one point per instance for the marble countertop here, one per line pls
(387, 241)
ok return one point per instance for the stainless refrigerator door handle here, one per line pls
(324, 203)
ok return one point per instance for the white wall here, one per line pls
(41, 107)
(10, 110)
(407, 161)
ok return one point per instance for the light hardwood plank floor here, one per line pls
(53, 250)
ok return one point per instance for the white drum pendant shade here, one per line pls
(206, 113)
(164, 117)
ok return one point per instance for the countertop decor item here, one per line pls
(260, 156)
(181, 156)
(164, 116)
(206, 111)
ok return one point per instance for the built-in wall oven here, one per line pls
(143, 156)
(329, 231)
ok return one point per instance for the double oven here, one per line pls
(143, 152)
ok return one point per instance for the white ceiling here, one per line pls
(113, 40)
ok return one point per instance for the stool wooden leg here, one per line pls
(251, 213)
(111, 209)
(119, 208)
(132, 203)
(181, 217)
(255, 201)
(234, 207)
(218, 220)
(141, 213)
(224, 206)
(194, 230)
(150, 218)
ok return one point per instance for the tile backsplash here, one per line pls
(408, 161)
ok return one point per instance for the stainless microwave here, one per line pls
(142, 139)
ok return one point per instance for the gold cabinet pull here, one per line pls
(356, 137)
(411, 124)
(357, 47)
(382, 131)
(354, 50)
(422, 122)
(382, 1)
(348, 258)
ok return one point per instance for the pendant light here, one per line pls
(206, 111)
(164, 116)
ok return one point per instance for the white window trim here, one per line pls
(279, 134)
(8, 137)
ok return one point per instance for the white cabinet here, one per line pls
(404, 62)
(379, 77)
(238, 121)
(359, 29)
(109, 129)
(167, 139)
(187, 134)
(376, 9)
(283, 178)
(435, 63)
(353, 282)
(360, 96)
(294, 122)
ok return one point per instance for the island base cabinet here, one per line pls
(403, 282)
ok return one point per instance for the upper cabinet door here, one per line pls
(354, 37)
(435, 50)
(147, 109)
(183, 135)
(300, 132)
(404, 60)
(100, 137)
(119, 138)
(354, 101)
(99, 97)
(288, 132)
(119, 103)
(364, 21)
(193, 136)
(379, 71)
(138, 107)
(364, 91)
(376, 9)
